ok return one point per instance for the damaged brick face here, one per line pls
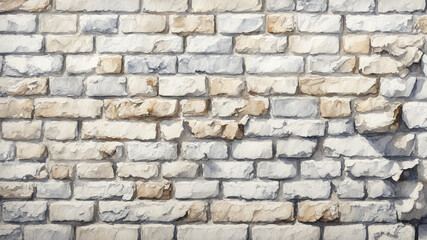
(213, 119)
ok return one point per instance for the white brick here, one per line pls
(149, 151)
(97, 86)
(26, 65)
(180, 169)
(212, 64)
(380, 23)
(165, 6)
(271, 85)
(276, 232)
(98, 23)
(149, 23)
(182, 86)
(311, 5)
(320, 169)
(20, 43)
(251, 189)
(319, 23)
(57, 23)
(274, 64)
(311, 44)
(103, 190)
(296, 148)
(196, 189)
(352, 5)
(295, 107)
(252, 149)
(240, 23)
(20, 23)
(209, 44)
(160, 231)
(277, 169)
(150, 64)
(312, 189)
(385, 6)
(139, 43)
(226, 6)
(60, 130)
(280, 5)
(212, 232)
(98, 5)
(23, 171)
(204, 150)
(228, 169)
(48, 231)
(354, 232)
(76, 211)
(53, 189)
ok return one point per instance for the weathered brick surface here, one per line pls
(213, 119)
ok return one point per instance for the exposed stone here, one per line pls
(23, 171)
(196, 189)
(225, 86)
(107, 232)
(367, 211)
(311, 5)
(274, 64)
(137, 170)
(308, 44)
(192, 24)
(94, 170)
(414, 114)
(240, 23)
(15, 108)
(354, 232)
(295, 148)
(280, 23)
(150, 151)
(210, 64)
(53, 189)
(352, 6)
(349, 188)
(260, 44)
(24, 211)
(212, 232)
(277, 232)
(30, 151)
(313, 189)
(295, 107)
(103, 190)
(331, 64)
(166, 211)
(276, 170)
(67, 108)
(154, 190)
(271, 85)
(320, 85)
(323, 211)
(320, 168)
(240, 211)
(118, 130)
(251, 190)
(204, 150)
(16, 190)
(379, 23)
(60, 130)
(334, 107)
(396, 231)
(139, 108)
(149, 23)
(182, 86)
(58, 23)
(180, 169)
(161, 231)
(75, 211)
(319, 23)
(226, 6)
(26, 5)
(194, 107)
(98, 23)
(228, 169)
(209, 44)
(227, 129)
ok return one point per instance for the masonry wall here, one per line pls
(213, 119)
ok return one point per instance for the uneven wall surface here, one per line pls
(213, 119)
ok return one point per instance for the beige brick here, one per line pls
(319, 85)
(69, 44)
(165, 6)
(137, 108)
(260, 44)
(280, 23)
(67, 108)
(21, 190)
(60, 130)
(226, 129)
(356, 43)
(107, 232)
(313, 211)
(241, 211)
(147, 23)
(27, 151)
(73, 211)
(194, 107)
(28, 6)
(75, 151)
(24, 130)
(154, 190)
(23, 86)
(62, 171)
(94, 170)
(188, 24)
(16, 108)
(137, 170)
(225, 86)
(335, 107)
(109, 65)
(57, 23)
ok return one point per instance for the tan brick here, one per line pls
(194, 107)
(148, 23)
(280, 23)
(319, 85)
(137, 108)
(69, 44)
(109, 64)
(335, 107)
(60, 130)
(95, 170)
(225, 86)
(313, 211)
(67, 108)
(24, 5)
(62, 171)
(188, 24)
(26, 151)
(356, 43)
(23, 86)
(16, 108)
(154, 190)
(21, 190)
(58, 23)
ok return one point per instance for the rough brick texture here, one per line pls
(213, 119)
